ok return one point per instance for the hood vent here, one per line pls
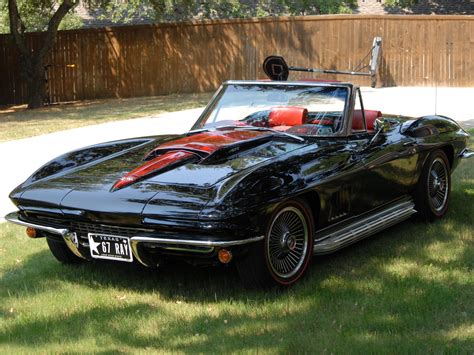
(196, 148)
(161, 163)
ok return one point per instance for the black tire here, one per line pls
(282, 258)
(434, 187)
(62, 253)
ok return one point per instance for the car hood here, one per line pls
(177, 188)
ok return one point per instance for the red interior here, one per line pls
(287, 116)
(323, 122)
(370, 117)
(282, 118)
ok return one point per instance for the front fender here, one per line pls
(83, 157)
(87, 155)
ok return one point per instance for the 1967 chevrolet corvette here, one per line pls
(272, 173)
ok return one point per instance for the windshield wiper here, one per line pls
(250, 128)
(280, 133)
(196, 131)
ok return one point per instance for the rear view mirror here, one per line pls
(276, 68)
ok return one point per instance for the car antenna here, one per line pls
(276, 68)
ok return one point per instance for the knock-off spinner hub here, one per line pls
(437, 183)
(287, 241)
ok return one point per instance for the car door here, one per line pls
(389, 161)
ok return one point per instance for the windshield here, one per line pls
(296, 109)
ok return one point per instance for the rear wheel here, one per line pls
(283, 257)
(62, 253)
(434, 187)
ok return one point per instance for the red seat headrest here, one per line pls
(370, 117)
(287, 116)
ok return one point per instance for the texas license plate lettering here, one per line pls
(103, 246)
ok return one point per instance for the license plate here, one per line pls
(110, 247)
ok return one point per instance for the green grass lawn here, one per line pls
(407, 290)
(18, 122)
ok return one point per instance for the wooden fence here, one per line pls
(196, 57)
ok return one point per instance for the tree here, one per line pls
(46, 16)
(401, 3)
(32, 61)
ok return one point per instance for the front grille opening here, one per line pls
(82, 229)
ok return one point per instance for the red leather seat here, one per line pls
(370, 117)
(287, 116)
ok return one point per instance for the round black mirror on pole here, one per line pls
(276, 68)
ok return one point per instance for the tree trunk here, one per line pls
(33, 62)
(35, 81)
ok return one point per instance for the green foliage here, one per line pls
(316, 7)
(70, 22)
(36, 15)
(401, 3)
(178, 10)
(3, 17)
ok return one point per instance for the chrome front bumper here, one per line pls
(70, 238)
(466, 153)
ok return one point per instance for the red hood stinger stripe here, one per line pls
(182, 150)
(164, 161)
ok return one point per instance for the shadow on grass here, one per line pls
(349, 295)
(407, 288)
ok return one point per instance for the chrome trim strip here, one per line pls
(71, 239)
(134, 246)
(15, 218)
(466, 153)
(204, 243)
(67, 235)
(134, 241)
(202, 251)
(265, 129)
(288, 83)
(330, 242)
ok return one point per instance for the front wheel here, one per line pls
(286, 251)
(62, 253)
(434, 187)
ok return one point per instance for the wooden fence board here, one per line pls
(197, 56)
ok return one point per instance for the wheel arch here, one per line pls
(449, 151)
(313, 200)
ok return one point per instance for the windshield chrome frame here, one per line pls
(344, 131)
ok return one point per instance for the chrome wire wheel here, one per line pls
(438, 184)
(287, 243)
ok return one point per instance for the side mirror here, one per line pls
(382, 126)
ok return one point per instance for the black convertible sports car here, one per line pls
(272, 173)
